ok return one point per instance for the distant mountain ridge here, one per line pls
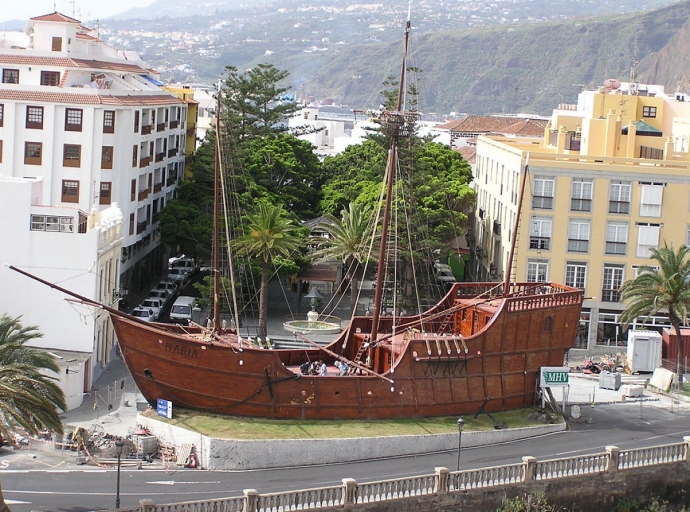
(347, 55)
(523, 68)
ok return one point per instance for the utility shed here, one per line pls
(644, 351)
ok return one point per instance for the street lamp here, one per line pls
(118, 449)
(461, 424)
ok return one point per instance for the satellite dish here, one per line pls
(575, 412)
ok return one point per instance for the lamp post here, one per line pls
(118, 449)
(461, 424)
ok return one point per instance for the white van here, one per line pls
(181, 311)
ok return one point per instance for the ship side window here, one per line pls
(548, 324)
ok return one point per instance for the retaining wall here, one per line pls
(229, 454)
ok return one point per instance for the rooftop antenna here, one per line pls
(633, 72)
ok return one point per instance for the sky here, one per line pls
(82, 10)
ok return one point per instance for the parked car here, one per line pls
(169, 286)
(442, 266)
(181, 311)
(178, 275)
(163, 295)
(145, 314)
(186, 263)
(155, 304)
(444, 276)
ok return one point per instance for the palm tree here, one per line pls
(29, 399)
(269, 234)
(347, 242)
(666, 290)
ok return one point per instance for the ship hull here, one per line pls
(469, 351)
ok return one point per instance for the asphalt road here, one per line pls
(40, 485)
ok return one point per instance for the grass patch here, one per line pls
(234, 427)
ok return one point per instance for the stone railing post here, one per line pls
(441, 481)
(530, 465)
(613, 455)
(686, 440)
(251, 500)
(349, 489)
(146, 505)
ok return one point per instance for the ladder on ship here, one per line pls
(358, 357)
(447, 319)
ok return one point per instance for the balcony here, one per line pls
(157, 187)
(143, 194)
(160, 127)
(172, 152)
(174, 124)
(141, 227)
(171, 180)
(144, 161)
(146, 129)
(160, 157)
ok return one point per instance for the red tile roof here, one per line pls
(469, 153)
(102, 64)
(82, 35)
(89, 99)
(450, 125)
(55, 16)
(498, 124)
(33, 60)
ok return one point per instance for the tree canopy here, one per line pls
(285, 170)
(434, 181)
(255, 103)
(30, 398)
(270, 234)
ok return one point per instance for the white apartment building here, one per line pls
(91, 149)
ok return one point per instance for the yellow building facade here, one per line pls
(186, 93)
(609, 180)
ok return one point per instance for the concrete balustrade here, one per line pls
(477, 489)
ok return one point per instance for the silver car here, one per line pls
(145, 314)
(156, 305)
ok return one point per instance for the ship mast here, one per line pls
(511, 254)
(393, 122)
(216, 224)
